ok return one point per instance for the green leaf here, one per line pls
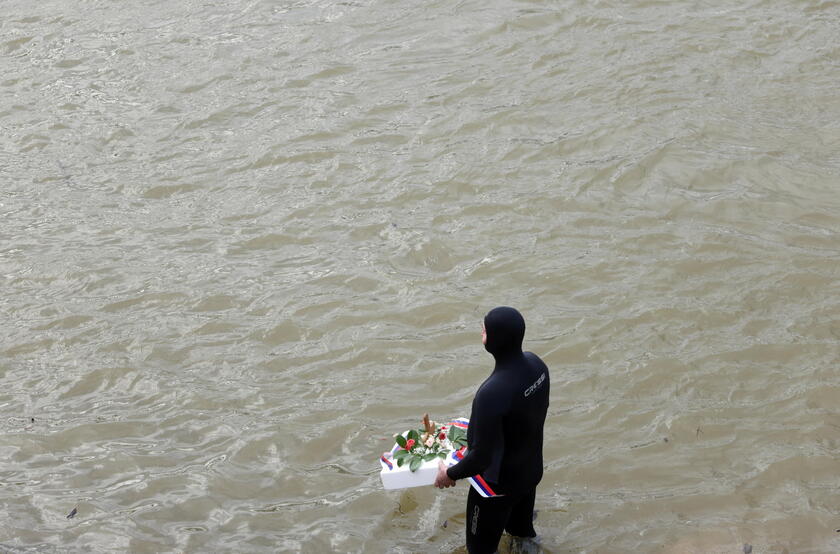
(400, 454)
(456, 434)
(442, 455)
(413, 434)
(415, 463)
(400, 461)
(429, 457)
(458, 437)
(400, 440)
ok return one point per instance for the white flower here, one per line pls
(430, 441)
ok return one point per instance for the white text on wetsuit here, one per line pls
(536, 384)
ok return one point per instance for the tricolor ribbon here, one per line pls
(461, 422)
(386, 457)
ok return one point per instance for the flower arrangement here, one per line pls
(427, 443)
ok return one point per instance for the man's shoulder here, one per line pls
(495, 387)
(494, 396)
(536, 361)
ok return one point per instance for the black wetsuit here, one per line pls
(505, 436)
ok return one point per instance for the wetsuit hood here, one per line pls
(505, 328)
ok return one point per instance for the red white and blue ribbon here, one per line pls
(461, 422)
(477, 481)
(386, 457)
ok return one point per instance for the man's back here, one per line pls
(522, 465)
(512, 405)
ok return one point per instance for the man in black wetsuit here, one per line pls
(505, 437)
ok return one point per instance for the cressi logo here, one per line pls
(536, 385)
(474, 527)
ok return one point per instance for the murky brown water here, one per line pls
(241, 243)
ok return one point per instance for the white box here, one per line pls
(396, 477)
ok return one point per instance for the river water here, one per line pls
(243, 243)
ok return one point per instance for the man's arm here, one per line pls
(486, 430)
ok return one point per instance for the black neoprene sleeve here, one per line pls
(484, 431)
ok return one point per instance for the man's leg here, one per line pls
(520, 523)
(486, 519)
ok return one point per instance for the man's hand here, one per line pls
(442, 480)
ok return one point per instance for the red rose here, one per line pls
(409, 444)
(442, 436)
